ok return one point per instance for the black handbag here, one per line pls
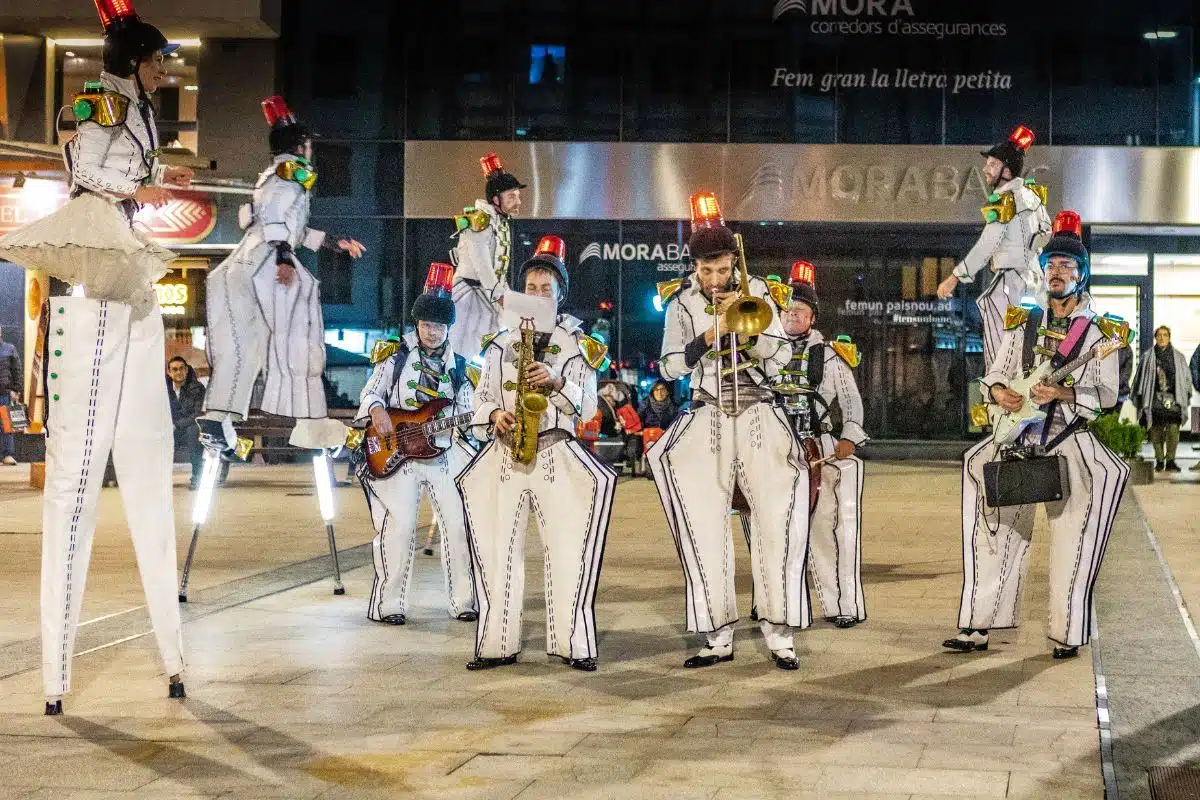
(1025, 481)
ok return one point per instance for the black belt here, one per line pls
(474, 284)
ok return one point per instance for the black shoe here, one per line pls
(785, 662)
(1172, 466)
(1065, 652)
(754, 613)
(845, 622)
(468, 616)
(428, 551)
(394, 619)
(968, 641)
(582, 664)
(1159, 466)
(698, 661)
(491, 663)
(175, 690)
(53, 709)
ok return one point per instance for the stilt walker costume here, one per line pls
(408, 375)
(1017, 224)
(264, 307)
(481, 257)
(996, 539)
(733, 436)
(819, 374)
(104, 349)
(534, 462)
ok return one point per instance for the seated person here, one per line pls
(658, 410)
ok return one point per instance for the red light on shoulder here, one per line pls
(552, 245)
(1068, 222)
(490, 163)
(439, 278)
(706, 211)
(1022, 137)
(803, 272)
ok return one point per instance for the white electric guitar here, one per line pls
(1008, 425)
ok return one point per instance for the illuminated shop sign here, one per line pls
(172, 298)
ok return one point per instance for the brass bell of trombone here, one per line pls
(750, 315)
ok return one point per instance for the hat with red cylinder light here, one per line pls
(551, 254)
(803, 281)
(1013, 149)
(1068, 241)
(434, 303)
(127, 40)
(497, 180)
(287, 132)
(709, 236)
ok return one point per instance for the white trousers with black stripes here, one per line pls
(393, 502)
(570, 493)
(106, 394)
(695, 466)
(835, 538)
(996, 541)
(1005, 289)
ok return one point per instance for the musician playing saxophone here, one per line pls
(536, 385)
(996, 541)
(408, 374)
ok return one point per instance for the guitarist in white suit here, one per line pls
(996, 540)
(408, 374)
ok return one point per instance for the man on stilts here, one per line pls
(732, 437)
(105, 348)
(409, 374)
(1017, 223)
(481, 257)
(996, 540)
(537, 383)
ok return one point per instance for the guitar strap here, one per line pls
(1068, 350)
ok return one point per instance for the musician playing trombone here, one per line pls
(732, 436)
(408, 374)
(996, 540)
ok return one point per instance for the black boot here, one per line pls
(394, 619)
(1061, 652)
(1172, 466)
(582, 664)
(175, 689)
(53, 709)
(491, 663)
(1159, 466)
(468, 616)
(785, 659)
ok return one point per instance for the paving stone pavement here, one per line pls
(293, 693)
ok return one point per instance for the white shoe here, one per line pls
(967, 641)
(9, 461)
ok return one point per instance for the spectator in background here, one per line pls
(1162, 391)
(1195, 364)
(658, 410)
(11, 379)
(186, 395)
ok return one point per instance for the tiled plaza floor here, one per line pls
(294, 693)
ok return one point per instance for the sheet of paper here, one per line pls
(518, 307)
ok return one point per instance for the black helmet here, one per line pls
(1011, 152)
(551, 254)
(127, 40)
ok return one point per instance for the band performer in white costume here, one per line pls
(481, 257)
(819, 374)
(105, 350)
(733, 436)
(264, 307)
(996, 541)
(533, 462)
(408, 374)
(1016, 226)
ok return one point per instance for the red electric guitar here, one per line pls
(410, 438)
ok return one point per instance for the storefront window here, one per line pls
(1177, 299)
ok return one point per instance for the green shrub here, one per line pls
(1123, 438)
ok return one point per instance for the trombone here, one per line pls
(748, 317)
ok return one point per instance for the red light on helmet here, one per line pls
(803, 272)
(1022, 137)
(276, 111)
(490, 163)
(111, 11)
(706, 211)
(552, 246)
(439, 278)
(1068, 222)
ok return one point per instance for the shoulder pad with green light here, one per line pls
(487, 339)
(475, 219)
(384, 349)
(97, 104)
(593, 350)
(668, 289)
(1015, 316)
(1000, 208)
(473, 374)
(1113, 327)
(781, 293)
(1040, 189)
(297, 172)
(847, 350)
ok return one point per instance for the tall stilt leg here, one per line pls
(200, 508)
(322, 469)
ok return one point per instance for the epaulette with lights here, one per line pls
(297, 171)
(1115, 328)
(1000, 208)
(384, 349)
(593, 350)
(847, 350)
(487, 339)
(97, 104)
(1040, 189)
(1015, 316)
(780, 292)
(475, 219)
(473, 374)
(668, 289)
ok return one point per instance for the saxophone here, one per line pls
(531, 403)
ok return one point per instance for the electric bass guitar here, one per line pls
(411, 437)
(1008, 425)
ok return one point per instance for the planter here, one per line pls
(1141, 471)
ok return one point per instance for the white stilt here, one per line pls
(322, 469)
(200, 508)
